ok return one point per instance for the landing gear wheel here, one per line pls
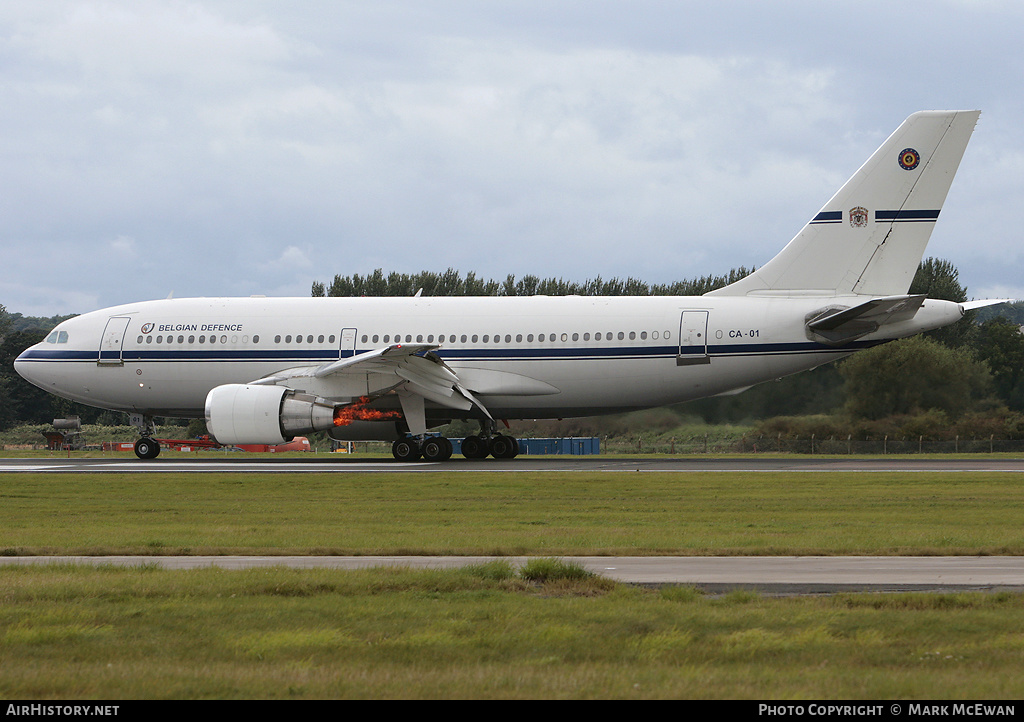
(474, 447)
(405, 450)
(504, 447)
(437, 448)
(146, 448)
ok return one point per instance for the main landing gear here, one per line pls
(431, 448)
(498, 446)
(438, 448)
(147, 447)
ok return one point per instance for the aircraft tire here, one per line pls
(474, 447)
(503, 447)
(437, 448)
(405, 450)
(146, 448)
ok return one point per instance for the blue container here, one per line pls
(571, 446)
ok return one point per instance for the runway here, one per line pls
(771, 575)
(318, 464)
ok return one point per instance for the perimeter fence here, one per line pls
(817, 445)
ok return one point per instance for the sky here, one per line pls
(232, 148)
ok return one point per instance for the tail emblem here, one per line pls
(909, 158)
(858, 217)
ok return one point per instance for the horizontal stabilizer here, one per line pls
(838, 326)
(971, 305)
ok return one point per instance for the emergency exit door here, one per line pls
(348, 343)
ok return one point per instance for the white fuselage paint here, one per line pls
(598, 354)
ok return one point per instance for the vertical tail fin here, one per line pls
(869, 238)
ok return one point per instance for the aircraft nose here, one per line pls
(31, 364)
(22, 365)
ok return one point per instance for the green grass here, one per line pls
(538, 514)
(547, 630)
(105, 633)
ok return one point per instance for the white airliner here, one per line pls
(262, 370)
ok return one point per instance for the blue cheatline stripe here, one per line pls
(496, 354)
(897, 216)
(905, 216)
(828, 217)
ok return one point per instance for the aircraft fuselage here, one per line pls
(531, 357)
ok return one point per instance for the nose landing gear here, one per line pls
(146, 447)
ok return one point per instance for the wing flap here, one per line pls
(376, 360)
(435, 378)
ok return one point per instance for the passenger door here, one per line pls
(693, 338)
(112, 341)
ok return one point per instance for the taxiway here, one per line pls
(773, 575)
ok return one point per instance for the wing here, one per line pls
(415, 373)
(419, 374)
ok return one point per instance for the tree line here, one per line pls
(452, 283)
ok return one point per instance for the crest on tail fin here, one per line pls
(891, 204)
(909, 159)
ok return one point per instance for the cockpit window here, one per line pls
(57, 337)
(52, 338)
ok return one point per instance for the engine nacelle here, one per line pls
(251, 414)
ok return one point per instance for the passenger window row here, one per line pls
(398, 338)
(308, 338)
(180, 340)
(519, 338)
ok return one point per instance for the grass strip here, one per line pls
(537, 514)
(69, 632)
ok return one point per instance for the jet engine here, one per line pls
(252, 414)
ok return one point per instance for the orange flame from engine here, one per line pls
(357, 411)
